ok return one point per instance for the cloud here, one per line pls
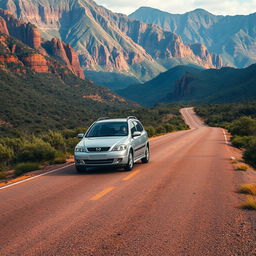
(224, 7)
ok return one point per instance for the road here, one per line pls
(182, 203)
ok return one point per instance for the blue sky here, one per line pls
(224, 7)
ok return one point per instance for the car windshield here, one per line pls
(104, 129)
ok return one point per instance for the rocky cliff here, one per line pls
(232, 37)
(30, 36)
(104, 40)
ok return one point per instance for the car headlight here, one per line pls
(119, 147)
(80, 150)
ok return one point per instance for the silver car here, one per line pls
(112, 142)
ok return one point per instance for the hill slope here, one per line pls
(39, 93)
(153, 91)
(233, 37)
(216, 86)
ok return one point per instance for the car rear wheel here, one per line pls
(147, 156)
(130, 163)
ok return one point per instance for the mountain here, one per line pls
(155, 90)
(39, 92)
(215, 86)
(30, 36)
(233, 37)
(110, 42)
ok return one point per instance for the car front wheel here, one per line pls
(80, 169)
(130, 163)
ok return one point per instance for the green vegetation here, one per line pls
(26, 152)
(25, 167)
(239, 119)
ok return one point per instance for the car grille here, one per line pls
(98, 149)
(105, 161)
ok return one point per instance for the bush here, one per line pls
(56, 140)
(150, 130)
(6, 154)
(36, 151)
(241, 141)
(25, 167)
(160, 130)
(244, 126)
(71, 143)
(250, 152)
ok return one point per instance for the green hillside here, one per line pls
(153, 91)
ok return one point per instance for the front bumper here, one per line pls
(110, 158)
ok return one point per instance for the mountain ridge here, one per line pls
(232, 37)
(107, 41)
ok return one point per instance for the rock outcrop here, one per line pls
(30, 36)
(66, 53)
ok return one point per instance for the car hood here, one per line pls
(101, 142)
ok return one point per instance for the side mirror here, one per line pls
(80, 135)
(136, 134)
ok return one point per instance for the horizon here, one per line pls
(218, 7)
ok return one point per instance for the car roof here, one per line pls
(112, 120)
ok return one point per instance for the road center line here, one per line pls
(102, 193)
(131, 175)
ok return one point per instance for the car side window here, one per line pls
(133, 128)
(138, 126)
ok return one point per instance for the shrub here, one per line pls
(241, 141)
(150, 130)
(56, 140)
(160, 129)
(250, 203)
(250, 152)
(244, 126)
(25, 167)
(248, 189)
(36, 151)
(242, 167)
(71, 143)
(6, 154)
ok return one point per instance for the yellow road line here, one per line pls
(102, 193)
(131, 175)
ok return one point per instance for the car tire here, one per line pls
(80, 169)
(145, 159)
(130, 163)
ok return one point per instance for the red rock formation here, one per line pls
(30, 35)
(25, 32)
(66, 53)
(3, 27)
(37, 62)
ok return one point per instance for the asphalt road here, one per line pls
(181, 203)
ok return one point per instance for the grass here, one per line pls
(242, 167)
(25, 167)
(248, 189)
(250, 203)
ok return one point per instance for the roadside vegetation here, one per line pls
(240, 120)
(25, 152)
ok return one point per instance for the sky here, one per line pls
(222, 7)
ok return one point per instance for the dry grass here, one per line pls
(248, 189)
(250, 203)
(241, 167)
(234, 162)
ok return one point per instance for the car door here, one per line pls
(135, 140)
(142, 140)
